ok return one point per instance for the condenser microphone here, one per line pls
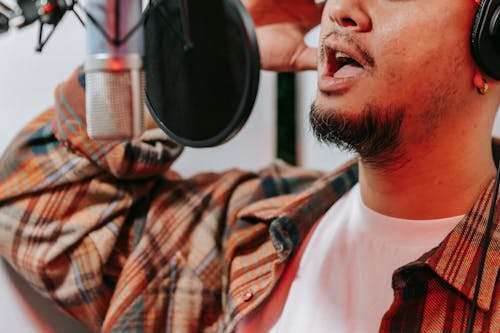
(114, 76)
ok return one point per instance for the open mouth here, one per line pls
(343, 65)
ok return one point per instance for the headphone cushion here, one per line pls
(485, 44)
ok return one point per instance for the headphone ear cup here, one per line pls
(485, 38)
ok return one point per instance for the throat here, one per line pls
(424, 193)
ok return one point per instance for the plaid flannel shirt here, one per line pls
(123, 244)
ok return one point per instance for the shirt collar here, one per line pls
(456, 259)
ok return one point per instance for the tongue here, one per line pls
(348, 71)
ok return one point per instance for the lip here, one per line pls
(331, 85)
(327, 82)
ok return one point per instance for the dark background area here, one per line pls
(286, 118)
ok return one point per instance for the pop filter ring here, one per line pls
(233, 9)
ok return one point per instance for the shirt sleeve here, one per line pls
(65, 201)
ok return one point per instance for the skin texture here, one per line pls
(421, 67)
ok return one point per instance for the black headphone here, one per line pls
(485, 47)
(485, 38)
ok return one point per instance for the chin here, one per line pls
(327, 104)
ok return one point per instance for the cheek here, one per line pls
(432, 45)
(415, 61)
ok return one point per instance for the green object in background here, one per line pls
(286, 149)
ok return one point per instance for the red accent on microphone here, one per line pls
(49, 7)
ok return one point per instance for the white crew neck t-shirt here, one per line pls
(343, 280)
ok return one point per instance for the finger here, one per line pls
(307, 59)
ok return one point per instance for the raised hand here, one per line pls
(281, 26)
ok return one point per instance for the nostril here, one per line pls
(348, 22)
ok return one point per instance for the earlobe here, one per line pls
(480, 83)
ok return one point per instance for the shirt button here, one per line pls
(247, 296)
(279, 247)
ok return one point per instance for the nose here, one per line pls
(349, 14)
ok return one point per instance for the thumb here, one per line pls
(306, 59)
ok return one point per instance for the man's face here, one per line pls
(405, 64)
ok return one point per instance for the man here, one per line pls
(124, 244)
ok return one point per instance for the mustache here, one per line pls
(349, 40)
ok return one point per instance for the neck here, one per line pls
(440, 178)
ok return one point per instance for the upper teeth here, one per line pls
(341, 56)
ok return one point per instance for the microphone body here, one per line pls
(114, 76)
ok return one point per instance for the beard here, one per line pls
(374, 133)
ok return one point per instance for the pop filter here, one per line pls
(202, 69)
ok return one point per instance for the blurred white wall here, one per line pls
(28, 79)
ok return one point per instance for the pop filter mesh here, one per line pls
(200, 96)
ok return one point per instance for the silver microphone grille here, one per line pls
(114, 97)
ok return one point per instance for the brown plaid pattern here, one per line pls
(123, 244)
